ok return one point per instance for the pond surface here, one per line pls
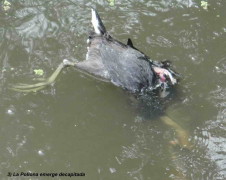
(80, 124)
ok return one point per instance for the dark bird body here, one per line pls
(122, 64)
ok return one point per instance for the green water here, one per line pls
(80, 124)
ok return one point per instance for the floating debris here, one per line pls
(6, 5)
(10, 112)
(204, 5)
(111, 2)
(112, 170)
(39, 72)
(41, 153)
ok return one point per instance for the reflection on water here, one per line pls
(83, 125)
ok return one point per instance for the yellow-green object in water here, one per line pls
(204, 5)
(6, 5)
(111, 2)
(39, 72)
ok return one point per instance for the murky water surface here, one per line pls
(82, 125)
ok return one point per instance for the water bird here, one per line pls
(110, 60)
(123, 64)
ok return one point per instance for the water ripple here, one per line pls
(36, 27)
(221, 66)
(160, 41)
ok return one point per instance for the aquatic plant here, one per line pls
(6, 5)
(111, 2)
(204, 5)
(39, 72)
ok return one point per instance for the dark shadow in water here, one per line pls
(150, 105)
